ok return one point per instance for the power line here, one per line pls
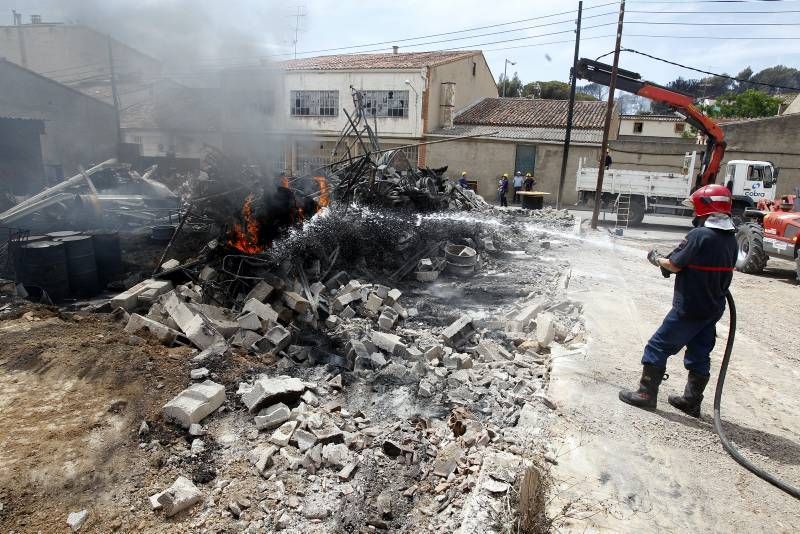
(774, 86)
(650, 23)
(671, 12)
(706, 37)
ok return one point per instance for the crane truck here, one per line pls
(648, 191)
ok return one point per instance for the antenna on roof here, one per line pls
(297, 18)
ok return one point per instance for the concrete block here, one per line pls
(337, 280)
(374, 303)
(347, 313)
(199, 374)
(303, 439)
(267, 391)
(384, 341)
(272, 416)
(345, 299)
(545, 329)
(434, 353)
(249, 321)
(194, 403)
(297, 303)
(245, 339)
(137, 323)
(208, 274)
(129, 299)
(283, 434)
(529, 312)
(170, 264)
(459, 331)
(491, 351)
(261, 457)
(264, 311)
(181, 495)
(387, 318)
(260, 292)
(279, 337)
(393, 296)
(177, 310)
(201, 334)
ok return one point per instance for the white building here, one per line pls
(303, 108)
(290, 115)
(637, 126)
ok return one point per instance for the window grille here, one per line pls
(315, 103)
(386, 103)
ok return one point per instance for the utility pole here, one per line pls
(570, 108)
(115, 96)
(598, 194)
(505, 76)
(297, 18)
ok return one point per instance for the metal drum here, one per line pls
(44, 264)
(107, 255)
(82, 269)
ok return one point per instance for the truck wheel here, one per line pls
(797, 265)
(751, 258)
(636, 215)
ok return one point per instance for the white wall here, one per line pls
(650, 128)
(378, 80)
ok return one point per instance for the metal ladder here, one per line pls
(623, 209)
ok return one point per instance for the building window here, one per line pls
(386, 103)
(680, 127)
(315, 103)
(137, 139)
(638, 127)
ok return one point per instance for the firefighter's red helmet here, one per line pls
(713, 198)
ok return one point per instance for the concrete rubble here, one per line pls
(356, 399)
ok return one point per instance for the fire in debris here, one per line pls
(324, 197)
(244, 237)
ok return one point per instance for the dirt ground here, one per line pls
(624, 469)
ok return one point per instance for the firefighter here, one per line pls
(704, 264)
(529, 182)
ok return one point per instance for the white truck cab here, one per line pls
(750, 181)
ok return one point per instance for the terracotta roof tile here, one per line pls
(532, 113)
(405, 60)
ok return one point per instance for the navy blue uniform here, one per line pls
(706, 257)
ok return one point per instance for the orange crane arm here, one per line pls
(631, 82)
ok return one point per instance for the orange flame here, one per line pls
(324, 198)
(285, 182)
(244, 237)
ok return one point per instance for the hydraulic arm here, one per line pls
(631, 82)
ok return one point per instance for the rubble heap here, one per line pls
(367, 403)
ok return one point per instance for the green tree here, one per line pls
(552, 90)
(513, 87)
(747, 104)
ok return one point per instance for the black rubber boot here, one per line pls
(689, 402)
(646, 395)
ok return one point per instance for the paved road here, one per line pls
(624, 469)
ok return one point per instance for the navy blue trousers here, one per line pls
(697, 335)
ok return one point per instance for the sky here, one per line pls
(202, 34)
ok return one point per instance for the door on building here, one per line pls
(526, 159)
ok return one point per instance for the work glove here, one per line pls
(653, 257)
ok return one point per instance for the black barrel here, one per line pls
(82, 269)
(44, 264)
(107, 255)
(62, 233)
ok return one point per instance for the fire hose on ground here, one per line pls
(726, 443)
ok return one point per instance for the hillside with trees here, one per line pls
(723, 96)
